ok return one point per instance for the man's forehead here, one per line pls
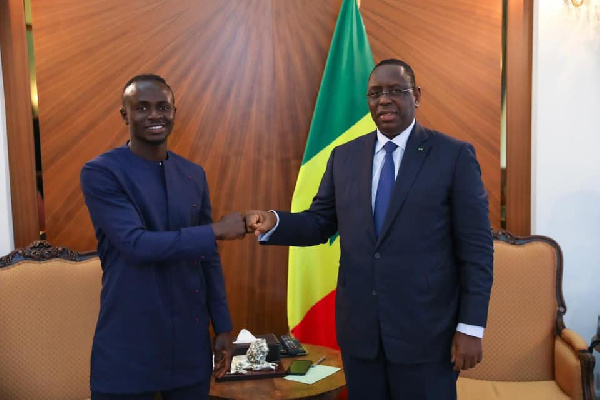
(141, 88)
(387, 73)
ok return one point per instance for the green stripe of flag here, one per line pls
(341, 101)
(341, 114)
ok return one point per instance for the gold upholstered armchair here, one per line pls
(528, 353)
(49, 302)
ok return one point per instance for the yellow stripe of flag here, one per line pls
(313, 270)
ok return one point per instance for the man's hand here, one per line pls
(466, 351)
(223, 348)
(230, 227)
(260, 222)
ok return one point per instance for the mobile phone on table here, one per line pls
(299, 367)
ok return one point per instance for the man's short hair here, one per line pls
(147, 78)
(407, 68)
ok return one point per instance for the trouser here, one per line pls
(380, 379)
(194, 392)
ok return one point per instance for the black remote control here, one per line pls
(291, 346)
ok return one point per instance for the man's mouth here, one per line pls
(387, 116)
(156, 127)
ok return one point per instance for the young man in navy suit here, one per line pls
(162, 283)
(416, 249)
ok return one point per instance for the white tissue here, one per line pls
(245, 337)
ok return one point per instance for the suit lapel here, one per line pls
(415, 153)
(365, 181)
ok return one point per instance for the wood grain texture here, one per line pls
(455, 51)
(244, 101)
(519, 39)
(19, 126)
(245, 76)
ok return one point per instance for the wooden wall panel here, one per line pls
(19, 125)
(454, 48)
(244, 108)
(245, 77)
(519, 37)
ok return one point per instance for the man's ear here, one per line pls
(417, 93)
(124, 115)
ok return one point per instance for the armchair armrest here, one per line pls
(573, 365)
(576, 342)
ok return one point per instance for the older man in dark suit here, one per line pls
(416, 249)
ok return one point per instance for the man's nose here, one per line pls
(154, 113)
(384, 98)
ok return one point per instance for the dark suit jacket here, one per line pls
(432, 265)
(162, 281)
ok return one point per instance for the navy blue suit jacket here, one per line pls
(162, 281)
(432, 265)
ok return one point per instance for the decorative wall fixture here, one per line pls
(586, 12)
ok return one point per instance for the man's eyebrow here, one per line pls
(388, 85)
(150, 101)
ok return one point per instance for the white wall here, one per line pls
(6, 227)
(566, 153)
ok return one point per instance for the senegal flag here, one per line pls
(341, 114)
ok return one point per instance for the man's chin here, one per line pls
(389, 131)
(155, 141)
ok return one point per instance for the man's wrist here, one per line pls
(471, 330)
(216, 230)
(265, 236)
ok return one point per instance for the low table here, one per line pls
(279, 388)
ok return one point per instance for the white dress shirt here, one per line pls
(378, 159)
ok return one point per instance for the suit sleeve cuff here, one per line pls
(470, 330)
(222, 325)
(265, 236)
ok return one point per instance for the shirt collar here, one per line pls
(400, 139)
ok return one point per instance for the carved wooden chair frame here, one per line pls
(42, 250)
(586, 358)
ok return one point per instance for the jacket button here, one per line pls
(377, 256)
(374, 293)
